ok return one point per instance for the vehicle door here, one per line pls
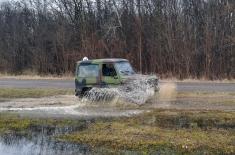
(109, 75)
(88, 74)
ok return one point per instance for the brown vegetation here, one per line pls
(181, 132)
(181, 38)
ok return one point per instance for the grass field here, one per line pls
(173, 130)
(32, 92)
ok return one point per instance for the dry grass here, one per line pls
(28, 75)
(174, 130)
(6, 93)
(203, 80)
(37, 77)
(13, 124)
(204, 94)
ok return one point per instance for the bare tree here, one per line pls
(181, 38)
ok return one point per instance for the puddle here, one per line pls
(40, 146)
(63, 100)
(68, 105)
(40, 142)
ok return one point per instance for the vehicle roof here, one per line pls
(103, 60)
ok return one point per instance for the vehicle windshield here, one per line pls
(124, 68)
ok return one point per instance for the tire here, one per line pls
(83, 92)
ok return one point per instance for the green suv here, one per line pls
(107, 73)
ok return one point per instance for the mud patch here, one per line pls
(63, 100)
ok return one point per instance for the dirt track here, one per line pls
(180, 86)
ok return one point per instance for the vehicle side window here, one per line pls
(108, 70)
(88, 70)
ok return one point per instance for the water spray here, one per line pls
(136, 91)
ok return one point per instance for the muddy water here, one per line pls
(40, 142)
(66, 106)
(39, 145)
(44, 145)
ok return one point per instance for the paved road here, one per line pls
(15, 83)
(181, 86)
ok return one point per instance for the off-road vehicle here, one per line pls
(107, 73)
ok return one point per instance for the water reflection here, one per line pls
(39, 143)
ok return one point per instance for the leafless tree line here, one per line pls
(179, 38)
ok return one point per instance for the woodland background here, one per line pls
(173, 38)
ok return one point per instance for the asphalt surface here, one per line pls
(180, 86)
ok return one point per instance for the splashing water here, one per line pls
(137, 91)
(119, 102)
(167, 91)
